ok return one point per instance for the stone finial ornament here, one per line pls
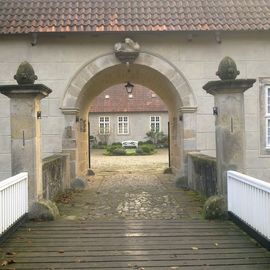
(127, 51)
(25, 74)
(227, 69)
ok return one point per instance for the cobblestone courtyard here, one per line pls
(131, 188)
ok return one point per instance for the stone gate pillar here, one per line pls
(230, 120)
(25, 120)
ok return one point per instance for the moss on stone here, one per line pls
(52, 158)
(200, 160)
(215, 208)
(204, 174)
(168, 171)
(43, 210)
(79, 183)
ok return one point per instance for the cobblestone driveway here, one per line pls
(131, 188)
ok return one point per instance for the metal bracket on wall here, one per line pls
(34, 39)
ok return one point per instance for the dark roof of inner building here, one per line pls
(142, 100)
(27, 16)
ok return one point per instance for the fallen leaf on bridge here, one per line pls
(10, 253)
(6, 262)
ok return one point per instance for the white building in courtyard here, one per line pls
(117, 116)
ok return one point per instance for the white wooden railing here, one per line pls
(13, 200)
(249, 200)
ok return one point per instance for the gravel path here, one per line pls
(156, 162)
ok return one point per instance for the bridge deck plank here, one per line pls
(134, 244)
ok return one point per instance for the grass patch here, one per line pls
(131, 152)
(115, 150)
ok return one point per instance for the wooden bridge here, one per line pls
(134, 244)
(185, 243)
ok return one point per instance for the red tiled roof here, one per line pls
(26, 16)
(119, 101)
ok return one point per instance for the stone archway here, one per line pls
(149, 70)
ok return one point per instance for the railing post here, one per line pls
(1, 213)
(26, 194)
(13, 201)
(253, 207)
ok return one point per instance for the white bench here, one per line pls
(130, 143)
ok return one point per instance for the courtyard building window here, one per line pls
(267, 115)
(104, 125)
(123, 125)
(264, 107)
(155, 123)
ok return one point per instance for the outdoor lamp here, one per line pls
(129, 87)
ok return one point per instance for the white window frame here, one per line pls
(104, 122)
(267, 116)
(122, 122)
(155, 123)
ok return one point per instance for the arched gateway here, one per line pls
(149, 70)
